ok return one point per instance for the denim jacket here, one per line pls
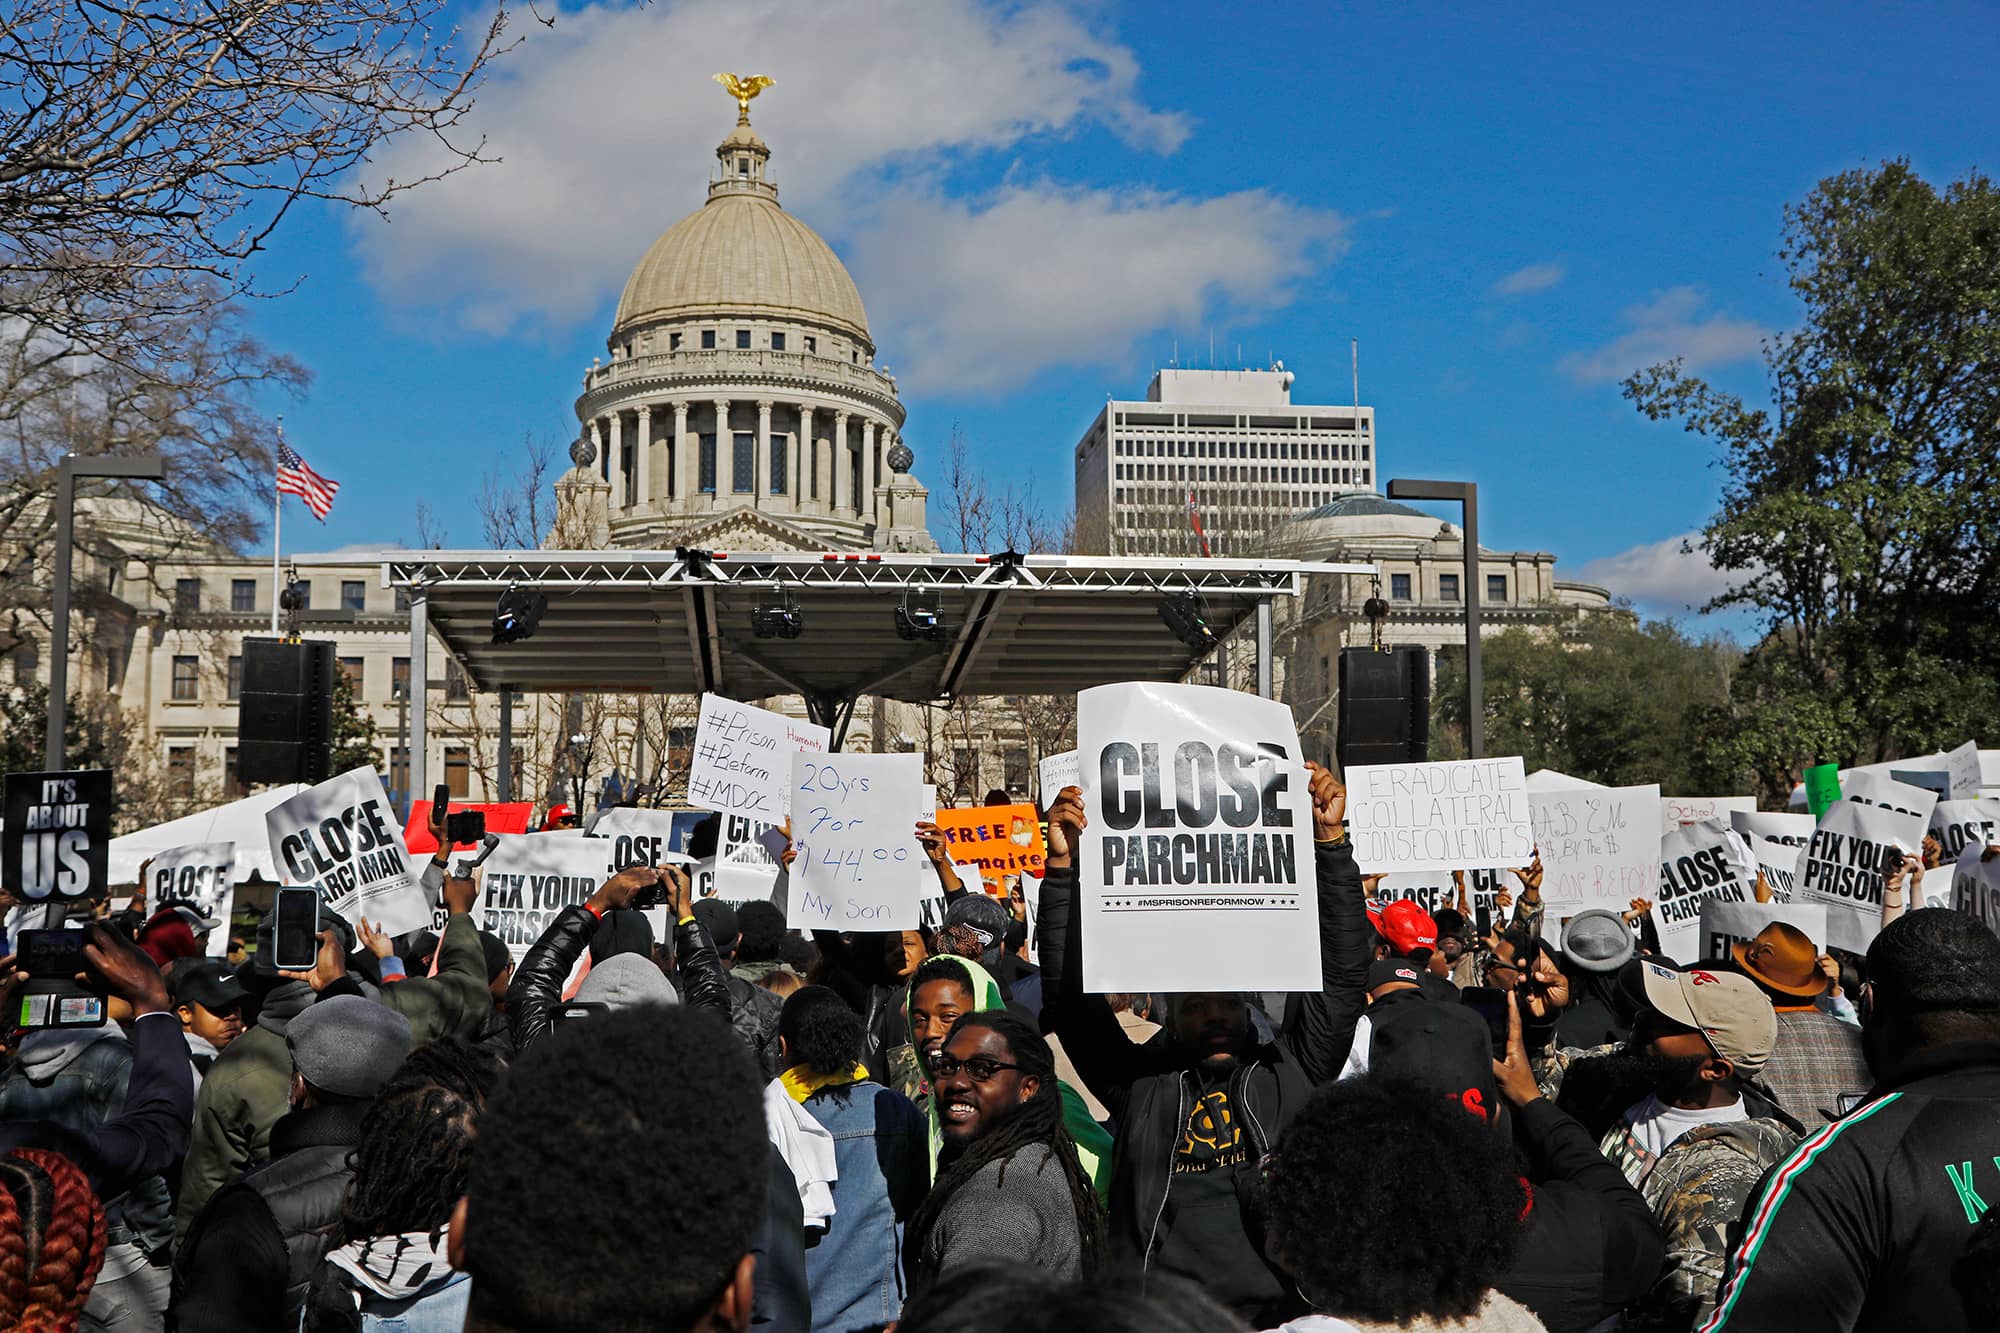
(76, 1078)
(880, 1149)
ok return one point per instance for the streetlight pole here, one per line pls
(1467, 494)
(149, 467)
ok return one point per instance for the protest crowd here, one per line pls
(647, 1104)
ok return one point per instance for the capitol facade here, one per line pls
(741, 405)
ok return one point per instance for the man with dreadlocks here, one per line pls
(1009, 1185)
(387, 1268)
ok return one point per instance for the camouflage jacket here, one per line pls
(1698, 1190)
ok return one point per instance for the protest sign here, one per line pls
(1725, 925)
(1933, 780)
(1197, 864)
(1963, 768)
(1699, 862)
(1678, 810)
(640, 837)
(927, 806)
(1778, 863)
(200, 876)
(1001, 840)
(742, 758)
(746, 870)
(1794, 830)
(1466, 814)
(341, 838)
(1842, 867)
(1435, 890)
(1975, 886)
(501, 817)
(1888, 794)
(858, 867)
(1958, 825)
(1822, 787)
(1058, 771)
(1600, 846)
(57, 841)
(1547, 779)
(529, 878)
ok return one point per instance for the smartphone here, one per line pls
(440, 797)
(1491, 1005)
(50, 953)
(1482, 916)
(465, 826)
(575, 1009)
(295, 930)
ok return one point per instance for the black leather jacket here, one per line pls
(538, 982)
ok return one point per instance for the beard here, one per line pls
(1598, 1089)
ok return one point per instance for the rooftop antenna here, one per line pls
(1354, 349)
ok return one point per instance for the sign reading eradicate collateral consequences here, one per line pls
(1466, 814)
(1196, 871)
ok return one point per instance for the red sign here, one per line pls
(510, 817)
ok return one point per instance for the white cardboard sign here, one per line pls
(202, 876)
(742, 758)
(858, 867)
(1975, 886)
(1600, 846)
(530, 877)
(1963, 766)
(1793, 830)
(1464, 814)
(1778, 863)
(1842, 867)
(1700, 862)
(1058, 771)
(1725, 925)
(1197, 866)
(343, 838)
(1678, 810)
(1958, 825)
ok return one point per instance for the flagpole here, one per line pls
(277, 517)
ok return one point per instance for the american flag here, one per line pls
(295, 478)
(1194, 520)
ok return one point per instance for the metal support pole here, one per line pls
(420, 675)
(506, 743)
(1265, 672)
(1467, 494)
(150, 467)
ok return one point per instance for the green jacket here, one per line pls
(455, 1002)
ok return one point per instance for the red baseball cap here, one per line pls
(1405, 925)
(556, 812)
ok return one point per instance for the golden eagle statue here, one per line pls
(743, 89)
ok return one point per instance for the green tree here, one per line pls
(1604, 698)
(1860, 512)
(354, 742)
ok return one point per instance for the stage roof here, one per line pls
(670, 622)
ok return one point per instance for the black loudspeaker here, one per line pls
(1385, 707)
(284, 720)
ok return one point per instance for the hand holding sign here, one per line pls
(1329, 800)
(1066, 824)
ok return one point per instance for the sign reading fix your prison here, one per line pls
(1467, 814)
(341, 837)
(1197, 864)
(202, 876)
(58, 834)
(1858, 839)
(743, 758)
(531, 877)
(1002, 840)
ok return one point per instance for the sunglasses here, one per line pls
(982, 1068)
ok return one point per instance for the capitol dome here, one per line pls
(742, 252)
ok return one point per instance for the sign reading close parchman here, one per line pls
(201, 876)
(1700, 863)
(341, 837)
(1466, 814)
(1196, 871)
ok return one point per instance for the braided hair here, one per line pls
(1037, 1120)
(51, 1241)
(410, 1164)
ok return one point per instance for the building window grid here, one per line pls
(243, 595)
(186, 679)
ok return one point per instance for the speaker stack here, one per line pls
(284, 722)
(1385, 706)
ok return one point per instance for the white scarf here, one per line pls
(396, 1267)
(807, 1147)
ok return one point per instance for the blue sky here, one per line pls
(1509, 207)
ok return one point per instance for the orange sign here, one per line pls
(1001, 840)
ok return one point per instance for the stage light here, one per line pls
(921, 616)
(518, 615)
(778, 618)
(1185, 615)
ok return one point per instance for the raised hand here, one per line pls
(1066, 824)
(1329, 800)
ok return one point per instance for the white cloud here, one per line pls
(1660, 576)
(1670, 325)
(606, 125)
(977, 296)
(1533, 278)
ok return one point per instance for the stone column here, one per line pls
(643, 467)
(802, 458)
(762, 488)
(865, 505)
(616, 475)
(725, 451)
(685, 477)
(597, 443)
(843, 485)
